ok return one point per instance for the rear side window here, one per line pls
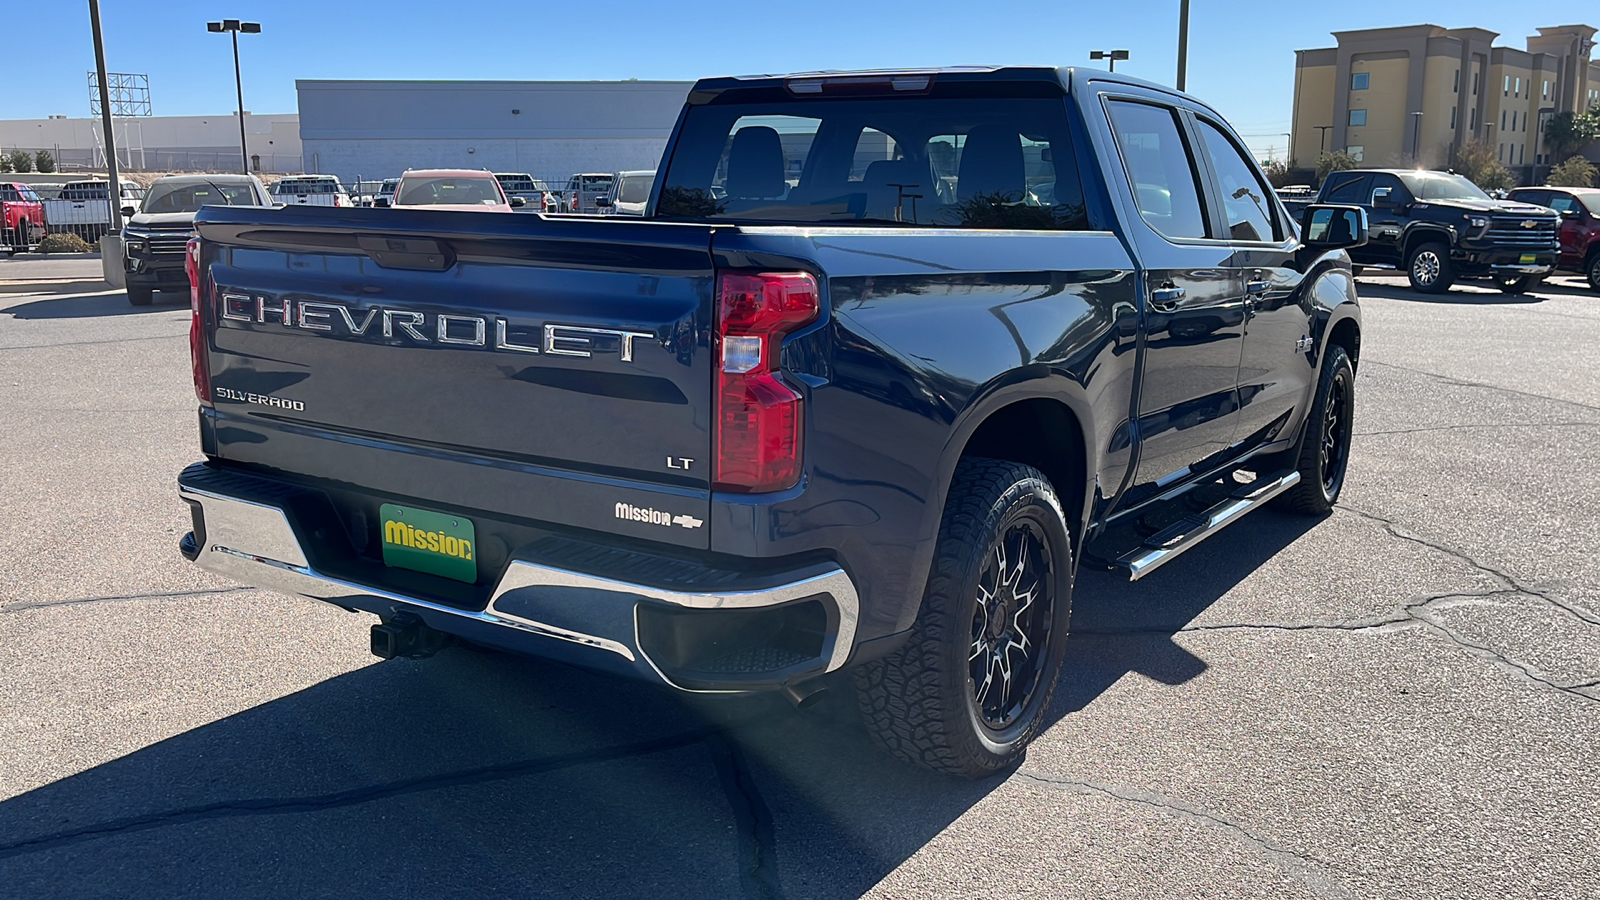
(1161, 168)
(949, 162)
(1347, 189)
(7, 192)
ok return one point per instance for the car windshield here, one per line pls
(454, 189)
(1441, 186)
(1591, 202)
(180, 198)
(944, 161)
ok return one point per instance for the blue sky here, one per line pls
(1241, 54)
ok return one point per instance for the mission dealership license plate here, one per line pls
(1528, 259)
(429, 542)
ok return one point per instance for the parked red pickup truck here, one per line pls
(21, 218)
(1580, 226)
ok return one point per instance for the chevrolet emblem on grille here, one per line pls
(1530, 223)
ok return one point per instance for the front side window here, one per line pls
(1244, 196)
(1161, 168)
(934, 160)
(1358, 117)
(1359, 80)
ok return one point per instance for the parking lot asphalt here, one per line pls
(1399, 700)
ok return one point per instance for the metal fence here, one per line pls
(148, 159)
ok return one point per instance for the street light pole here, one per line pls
(114, 185)
(1111, 55)
(1183, 44)
(234, 26)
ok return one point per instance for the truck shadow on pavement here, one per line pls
(478, 774)
(1453, 297)
(92, 305)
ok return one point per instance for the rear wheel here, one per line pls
(139, 296)
(1325, 445)
(971, 686)
(1430, 270)
(1513, 284)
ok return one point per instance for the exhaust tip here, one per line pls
(805, 694)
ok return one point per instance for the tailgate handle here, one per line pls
(426, 254)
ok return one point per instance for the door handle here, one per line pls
(1167, 299)
(1257, 287)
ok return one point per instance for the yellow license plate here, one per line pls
(1528, 259)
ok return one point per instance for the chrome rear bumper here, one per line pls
(535, 608)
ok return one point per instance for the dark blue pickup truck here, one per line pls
(890, 355)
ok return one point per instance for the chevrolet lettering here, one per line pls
(426, 328)
(856, 419)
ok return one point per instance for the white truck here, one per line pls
(84, 207)
(310, 190)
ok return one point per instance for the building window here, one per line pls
(1473, 120)
(1452, 118)
(1519, 85)
(1475, 83)
(1357, 153)
(1359, 80)
(1358, 117)
(1455, 83)
(1502, 120)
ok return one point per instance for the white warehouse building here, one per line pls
(549, 129)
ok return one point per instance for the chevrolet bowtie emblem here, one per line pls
(1529, 223)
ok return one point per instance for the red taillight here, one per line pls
(197, 325)
(759, 418)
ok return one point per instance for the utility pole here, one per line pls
(114, 189)
(1183, 44)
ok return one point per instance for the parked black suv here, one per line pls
(1439, 227)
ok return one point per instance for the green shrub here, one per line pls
(44, 162)
(1575, 172)
(64, 243)
(21, 161)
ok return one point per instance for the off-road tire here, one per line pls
(1430, 260)
(140, 296)
(1516, 285)
(919, 703)
(1319, 487)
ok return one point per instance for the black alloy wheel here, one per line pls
(971, 685)
(1324, 455)
(1011, 625)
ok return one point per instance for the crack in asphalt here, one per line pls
(1490, 426)
(1308, 870)
(1461, 382)
(266, 806)
(79, 601)
(757, 840)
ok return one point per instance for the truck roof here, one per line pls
(707, 89)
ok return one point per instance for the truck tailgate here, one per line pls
(553, 370)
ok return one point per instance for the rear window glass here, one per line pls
(943, 162)
(634, 189)
(91, 191)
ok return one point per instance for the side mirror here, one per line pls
(380, 202)
(603, 202)
(518, 201)
(1570, 212)
(127, 211)
(1326, 227)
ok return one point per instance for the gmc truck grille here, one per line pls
(1509, 231)
(168, 244)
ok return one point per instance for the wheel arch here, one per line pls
(1420, 234)
(1041, 419)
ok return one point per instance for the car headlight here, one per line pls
(134, 246)
(1478, 221)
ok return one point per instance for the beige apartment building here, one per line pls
(1411, 96)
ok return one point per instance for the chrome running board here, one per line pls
(1163, 547)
